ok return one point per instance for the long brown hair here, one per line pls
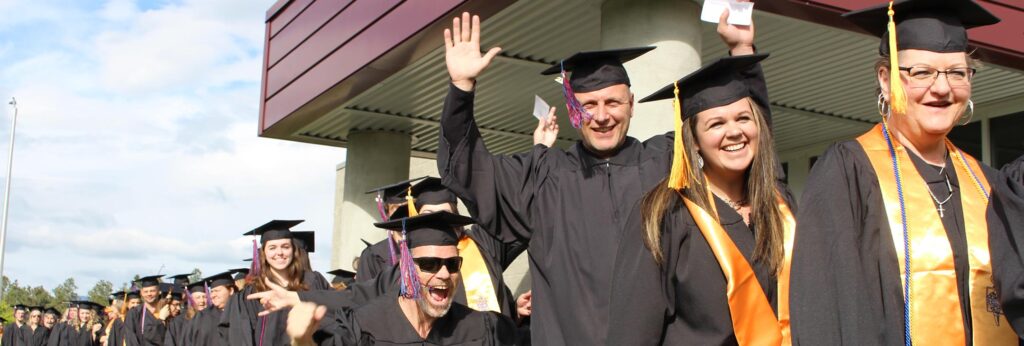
(760, 190)
(296, 271)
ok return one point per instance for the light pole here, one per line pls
(7, 195)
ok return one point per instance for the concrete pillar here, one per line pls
(671, 25)
(372, 159)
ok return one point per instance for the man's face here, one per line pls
(611, 108)
(49, 320)
(19, 315)
(438, 289)
(219, 295)
(150, 294)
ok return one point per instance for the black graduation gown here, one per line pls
(12, 335)
(116, 335)
(37, 337)
(134, 334)
(58, 335)
(241, 325)
(496, 254)
(683, 302)
(845, 285)
(373, 260)
(175, 331)
(71, 336)
(205, 329)
(567, 204)
(1015, 170)
(382, 322)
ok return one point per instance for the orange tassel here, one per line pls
(679, 178)
(410, 203)
(897, 96)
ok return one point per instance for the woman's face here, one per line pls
(33, 318)
(934, 106)
(727, 138)
(200, 299)
(278, 253)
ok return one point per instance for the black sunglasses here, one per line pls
(433, 264)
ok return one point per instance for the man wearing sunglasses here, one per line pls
(421, 310)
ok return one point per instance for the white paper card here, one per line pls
(540, 108)
(740, 13)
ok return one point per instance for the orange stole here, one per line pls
(480, 294)
(935, 317)
(753, 320)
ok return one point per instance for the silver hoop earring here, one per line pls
(700, 161)
(970, 108)
(883, 107)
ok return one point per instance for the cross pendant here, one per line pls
(941, 211)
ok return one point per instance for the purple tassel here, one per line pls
(576, 111)
(380, 207)
(254, 268)
(410, 287)
(191, 302)
(391, 247)
(209, 298)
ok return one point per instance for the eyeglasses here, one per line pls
(433, 264)
(924, 76)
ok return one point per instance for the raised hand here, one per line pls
(276, 298)
(462, 51)
(547, 130)
(739, 38)
(303, 320)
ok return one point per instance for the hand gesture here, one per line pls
(547, 130)
(524, 304)
(739, 38)
(276, 298)
(462, 52)
(303, 320)
(164, 312)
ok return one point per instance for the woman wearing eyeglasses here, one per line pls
(892, 240)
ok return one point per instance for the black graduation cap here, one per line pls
(220, 279)
(431, 191)
(180, 279)
(598, 69)
(932, 25)
(305, 239)
(240, 273)
(342, 275)
(18, 307)
(394, 193)
(35, 308)
(713, 85)
(149, 281)
(52, 311)
(428, 229)
(274, 230)
(89, 305)
(197, 287)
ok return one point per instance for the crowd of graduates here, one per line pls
(690, 237)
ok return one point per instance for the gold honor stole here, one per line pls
(753, 320)
(935, 317)
(480, 294)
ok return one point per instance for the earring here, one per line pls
(883, 107)
(970, 107)
(700, 161)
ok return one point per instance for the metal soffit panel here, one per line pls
(820, 79)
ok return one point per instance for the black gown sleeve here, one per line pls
(1006, 245)
(1015, 170)
(356, 295)
(238, 319)
(497, 189)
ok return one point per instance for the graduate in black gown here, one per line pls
(569, 205)
(144, 325)
(82, 330)
(176, 320)
(903, 180)
(204, 327)
(706, 271)
(114, 328)
(282, 254)
(12, 331)
(59, 332)
(342, 279)
(33, 332)
(422, 310)
(380, 256)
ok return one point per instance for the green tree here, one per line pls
(196, 276)
(64, 293)
(100, 293)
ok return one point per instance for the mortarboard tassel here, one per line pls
(410, 203)
(410, 282)
(391, 246)
(124, 302)
(897, 96)
(209, 297)
(679, 177)
(254, 268)
(380, 206)
(576, 111)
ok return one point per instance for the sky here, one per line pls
(137, 148)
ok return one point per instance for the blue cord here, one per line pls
(906, 240)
